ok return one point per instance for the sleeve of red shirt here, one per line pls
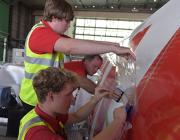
(42, 40)
(41, 133)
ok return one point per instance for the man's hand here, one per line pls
(100, 92)
(125, 52)
(120, 114)
(110, 84)
(130, 94)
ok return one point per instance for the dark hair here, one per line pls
(51, 79)
(91, 57)
(58, 9)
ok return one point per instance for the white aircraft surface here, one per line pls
(156, 43)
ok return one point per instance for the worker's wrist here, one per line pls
(116, 48)
(94, 100)
(119, 123)
(120, 119)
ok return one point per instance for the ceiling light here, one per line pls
(155, 0)
(93, 6)
(112, 7)
(134, 9)
(75, 6)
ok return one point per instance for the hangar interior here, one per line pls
(102, 20)
(106, 20)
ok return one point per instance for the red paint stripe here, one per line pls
(138, 37)
(158, 108)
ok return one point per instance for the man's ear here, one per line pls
(50, 96)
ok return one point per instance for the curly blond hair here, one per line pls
(51, 80)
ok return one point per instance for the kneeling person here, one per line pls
(46, 121)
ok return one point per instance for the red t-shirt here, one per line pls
(43, 39)
(77, 67)
(43, 132)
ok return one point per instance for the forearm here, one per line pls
(106, 42)
(77, 46)
(112, 131)
(86, 84)
(82, 113)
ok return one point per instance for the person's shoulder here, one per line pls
(43, 27)
(66, 36)
(34, 132)
(41, 132)
(75, 62)
(75, 66)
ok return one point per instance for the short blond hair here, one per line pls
(58, 9)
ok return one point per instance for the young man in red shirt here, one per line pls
(54, 89)
(46, 44)
(89, 65)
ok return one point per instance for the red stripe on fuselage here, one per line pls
(138, 37)
(158, 97)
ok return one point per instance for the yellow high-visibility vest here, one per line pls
(34, 63)
(30, 120)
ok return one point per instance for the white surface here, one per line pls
(18, 56)
(160, 21)
(82, 98)
(11, 75)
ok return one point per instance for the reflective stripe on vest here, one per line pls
(46, 60)
(33, 64)
(40, 61)
(31, 120)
